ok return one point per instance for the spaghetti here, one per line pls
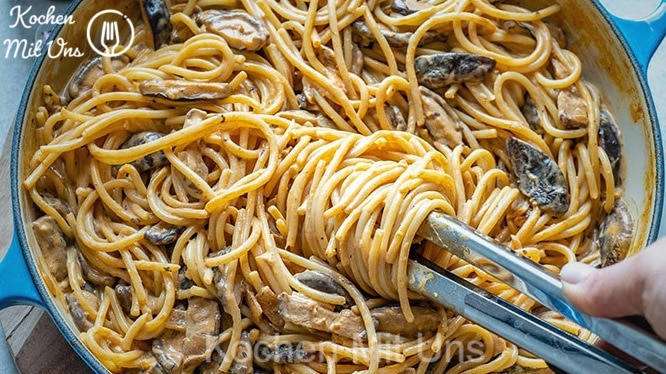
(269, 228)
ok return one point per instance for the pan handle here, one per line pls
(642, 36)
(16, 284)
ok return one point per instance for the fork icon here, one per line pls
(110, 39)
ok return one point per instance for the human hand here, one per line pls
(635, 286)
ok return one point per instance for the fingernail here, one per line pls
(575, 272)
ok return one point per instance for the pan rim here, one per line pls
(48, 301)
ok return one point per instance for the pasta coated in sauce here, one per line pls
(245, 197)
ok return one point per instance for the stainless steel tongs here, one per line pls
(560, 349)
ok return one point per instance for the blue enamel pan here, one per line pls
(615, 54)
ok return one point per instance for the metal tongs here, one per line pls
(560, 349)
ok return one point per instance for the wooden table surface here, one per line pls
(34, 339)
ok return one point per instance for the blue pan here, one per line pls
(615, 53)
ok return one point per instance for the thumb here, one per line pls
(634, 286)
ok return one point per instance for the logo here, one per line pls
(103, 33)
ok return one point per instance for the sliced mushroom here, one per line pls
(243, 361)
(203, 316)
(53, 245)
(203, 323)
(86, 76)
(268, 301)
(395, 117)
(439, 119)
(616, 233)
(79, 316)
(240, 30)
(324, 283)
(305, 312)
(193, 159)
(177, 320)
(390, 319)
(162, 233)
(327, 58)
(407, 7)
(183, 349)
(167, 350)
(150, 161)
(538, 177)
(395, 39)
(572, 108)
(357, 60)
(227, 294)
(184, 282)
(440, 70)
(93, 274)
(150, 365)
(156, 16)
(531, 114)
(182, 90)
(610, 139)
(287, 353)
(124, 295)
(60, 205)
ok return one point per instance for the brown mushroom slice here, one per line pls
(182, 90)
(268, 301)
(531, 114)
(243, 361)
(610, 139)
(407, 7)
(79, 316)
(357, 59)
(186, 347)
(324, 283)
(124, 295)
(439, 119)
(60, 205)
(390, 319)
(616, 233)
(442, 69)
(327, 58)
(395, 117)
(193, 159)
(286, 353)
(538, 177)
(203, 323)
(162, 233)
(156, 16)
(94, 275)
(168, 349)
(305, 312)
(153, 160)
(177, 320)
(53, 245)
(86, 76)
(572, 108)
(239, 29)
(395, 39)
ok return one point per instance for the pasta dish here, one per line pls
(240, 191)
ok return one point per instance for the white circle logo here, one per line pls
(107, 42)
